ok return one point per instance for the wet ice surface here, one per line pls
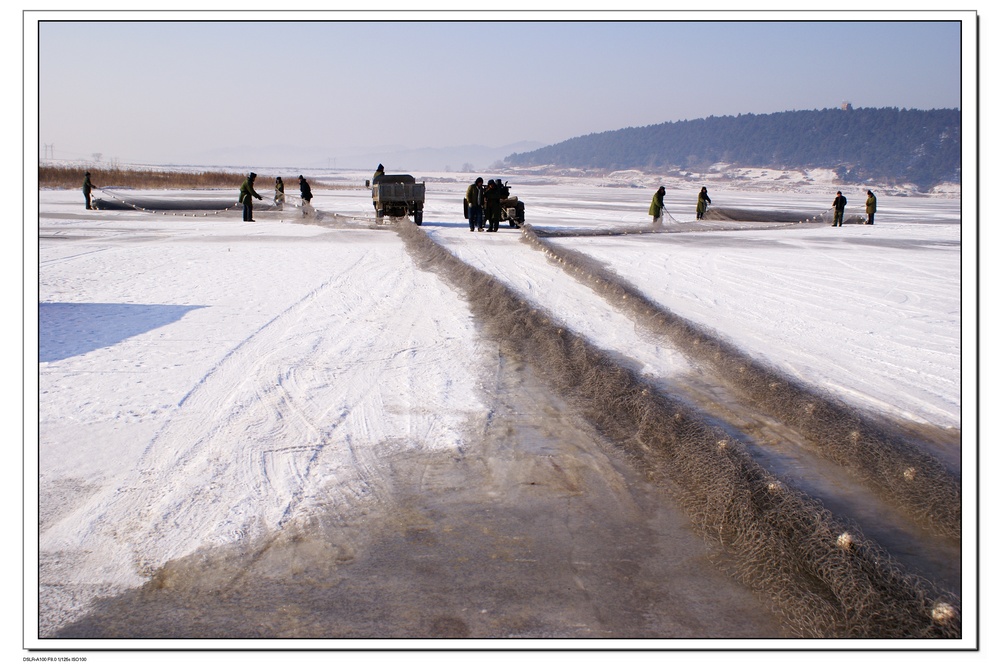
(790, 457)
(536, 529)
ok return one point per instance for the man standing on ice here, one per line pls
(247, 194)
(379, 173)
(279, 193)
(491, 198)
(307, 195)
(839, 203)
(656, 207)
(474, 201)
(703, 202)
(870, 208)
(88, 187)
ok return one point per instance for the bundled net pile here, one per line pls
(207, 203)
(717, 218)
(758, 215)
(849, 218)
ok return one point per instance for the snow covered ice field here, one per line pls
(298, 428)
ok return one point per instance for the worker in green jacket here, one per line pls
(247, 194)
(656, 207)
(870, 208)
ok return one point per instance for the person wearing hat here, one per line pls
(87, 188)
(491, 211)
(304, 189)
(839, 204)
(703, 202)
(247, 194)
(656, 207)
(307, 194)
(474, 204)
(870, 208)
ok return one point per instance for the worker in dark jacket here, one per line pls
(839, 204)
(87, 188)
(304, 189)
(379, 173)
(307, 195)
(703, 202)
(492, 198)
(870, 208)
(474, 204)
(247, 194)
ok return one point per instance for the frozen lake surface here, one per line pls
(302, 428)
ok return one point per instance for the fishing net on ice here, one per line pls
(823, 576)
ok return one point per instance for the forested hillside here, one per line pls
(887, 145)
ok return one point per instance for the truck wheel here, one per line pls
(418, 218)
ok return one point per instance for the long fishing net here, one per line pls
(823, 576)
(886, 461)
(716, 218)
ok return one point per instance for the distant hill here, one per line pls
(887, 145)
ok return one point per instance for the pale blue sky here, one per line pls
(165, 91)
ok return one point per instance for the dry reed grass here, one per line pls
(50, 176)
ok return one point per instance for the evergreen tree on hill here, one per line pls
(922, 147)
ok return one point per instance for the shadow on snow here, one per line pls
(69, 329)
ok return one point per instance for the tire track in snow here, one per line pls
(51, 262)
(192, 452)
(298, 414)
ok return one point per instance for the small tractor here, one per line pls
(511, 209)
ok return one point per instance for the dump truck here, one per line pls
(398, 196)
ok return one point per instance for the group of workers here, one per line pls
(656, 208)
(482, 204)
(840, 204)
(247, 194)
